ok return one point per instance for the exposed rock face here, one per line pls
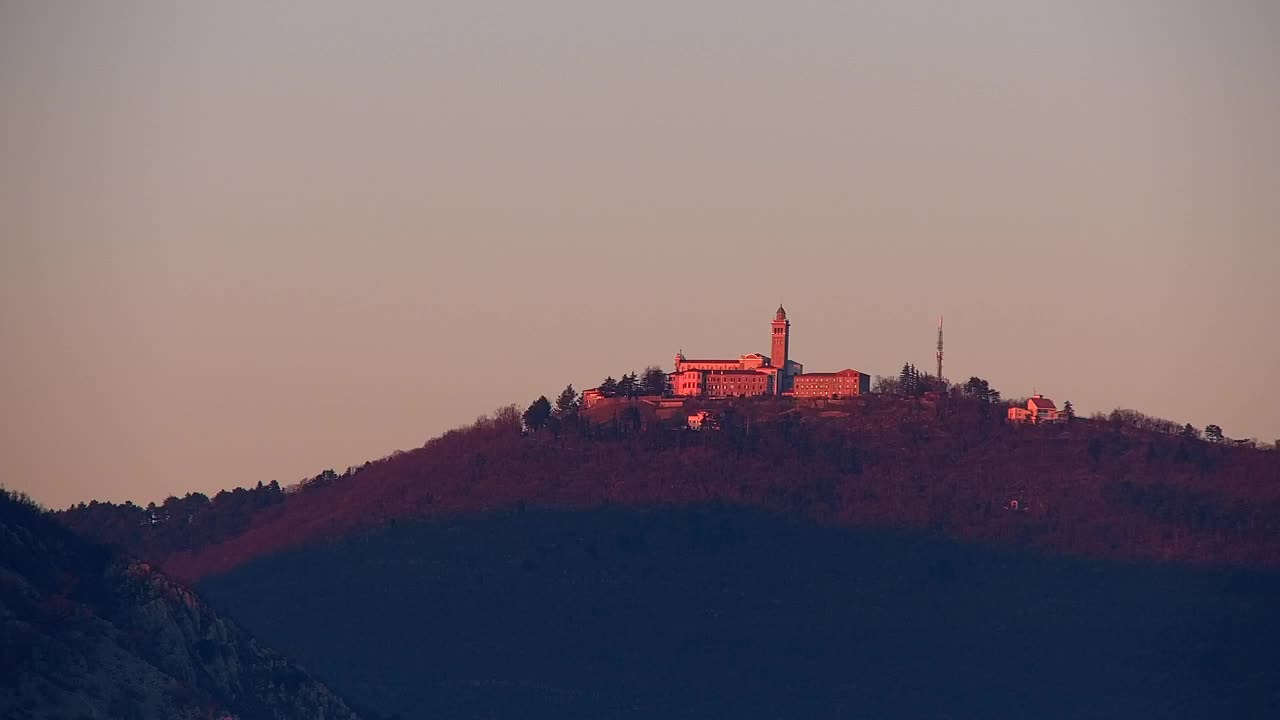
(87, 634)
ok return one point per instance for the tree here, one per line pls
(908, 379)
(505, 418)
(980, 389)
(1213, 433)
(567, 403)
(609, 387)
(654, 381)
(1190, 431)
(886, 385)
(627, 386)
(1068, 411)
(538, 413)
(927, 383)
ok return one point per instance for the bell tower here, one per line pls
(781, 343)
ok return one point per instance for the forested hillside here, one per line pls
(1117, 489)
(713, 611)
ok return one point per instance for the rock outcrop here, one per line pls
(86, 633)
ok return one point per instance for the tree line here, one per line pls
(652, 382)
(563, 413)
(542, 414)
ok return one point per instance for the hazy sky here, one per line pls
(247, 241)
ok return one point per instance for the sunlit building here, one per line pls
(1039, 409)
(749, 375)
(845, 383)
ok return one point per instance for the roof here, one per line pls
(843, 373)
(1042, 403)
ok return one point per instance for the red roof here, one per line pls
(842, 373)
(1042, 403)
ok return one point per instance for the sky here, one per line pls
(246, 241)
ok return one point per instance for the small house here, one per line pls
(1039, 409)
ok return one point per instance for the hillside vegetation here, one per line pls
(713, 611)
(952, 468)
(85, 633)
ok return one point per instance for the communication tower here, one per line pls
(939, 348)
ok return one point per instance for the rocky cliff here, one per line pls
(85, 633)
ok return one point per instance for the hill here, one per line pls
(882, 557)
(714, 611)
(952, 468)
(85, 633)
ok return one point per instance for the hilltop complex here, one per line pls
(755, 374)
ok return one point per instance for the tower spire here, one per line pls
(939, 348)
(780, 344)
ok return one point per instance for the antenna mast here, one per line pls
(939, 348)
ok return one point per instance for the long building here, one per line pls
(845, 383)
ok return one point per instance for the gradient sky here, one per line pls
(248, 241)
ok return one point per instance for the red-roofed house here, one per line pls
(1039, 409)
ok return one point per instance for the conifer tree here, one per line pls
(907, 380)
(981, 390)
(537, 414)
(609, 387)
(567, 403)
(627, 386)
(654, 381)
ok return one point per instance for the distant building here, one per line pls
(845, 383)
(1039, 409)
(591, 397)
(697, 419)
(751, 375)
(754, 374)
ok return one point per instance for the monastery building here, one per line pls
(755, 374)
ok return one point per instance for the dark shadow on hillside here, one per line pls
(722, 612)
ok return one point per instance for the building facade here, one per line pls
(1039, 409)
(845, 383)
(591, 397)
(749, 375)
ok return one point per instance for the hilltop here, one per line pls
(951, 467)
(85, 632)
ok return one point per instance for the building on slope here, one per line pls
(1039, 409)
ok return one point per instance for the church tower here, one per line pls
(781, 343)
